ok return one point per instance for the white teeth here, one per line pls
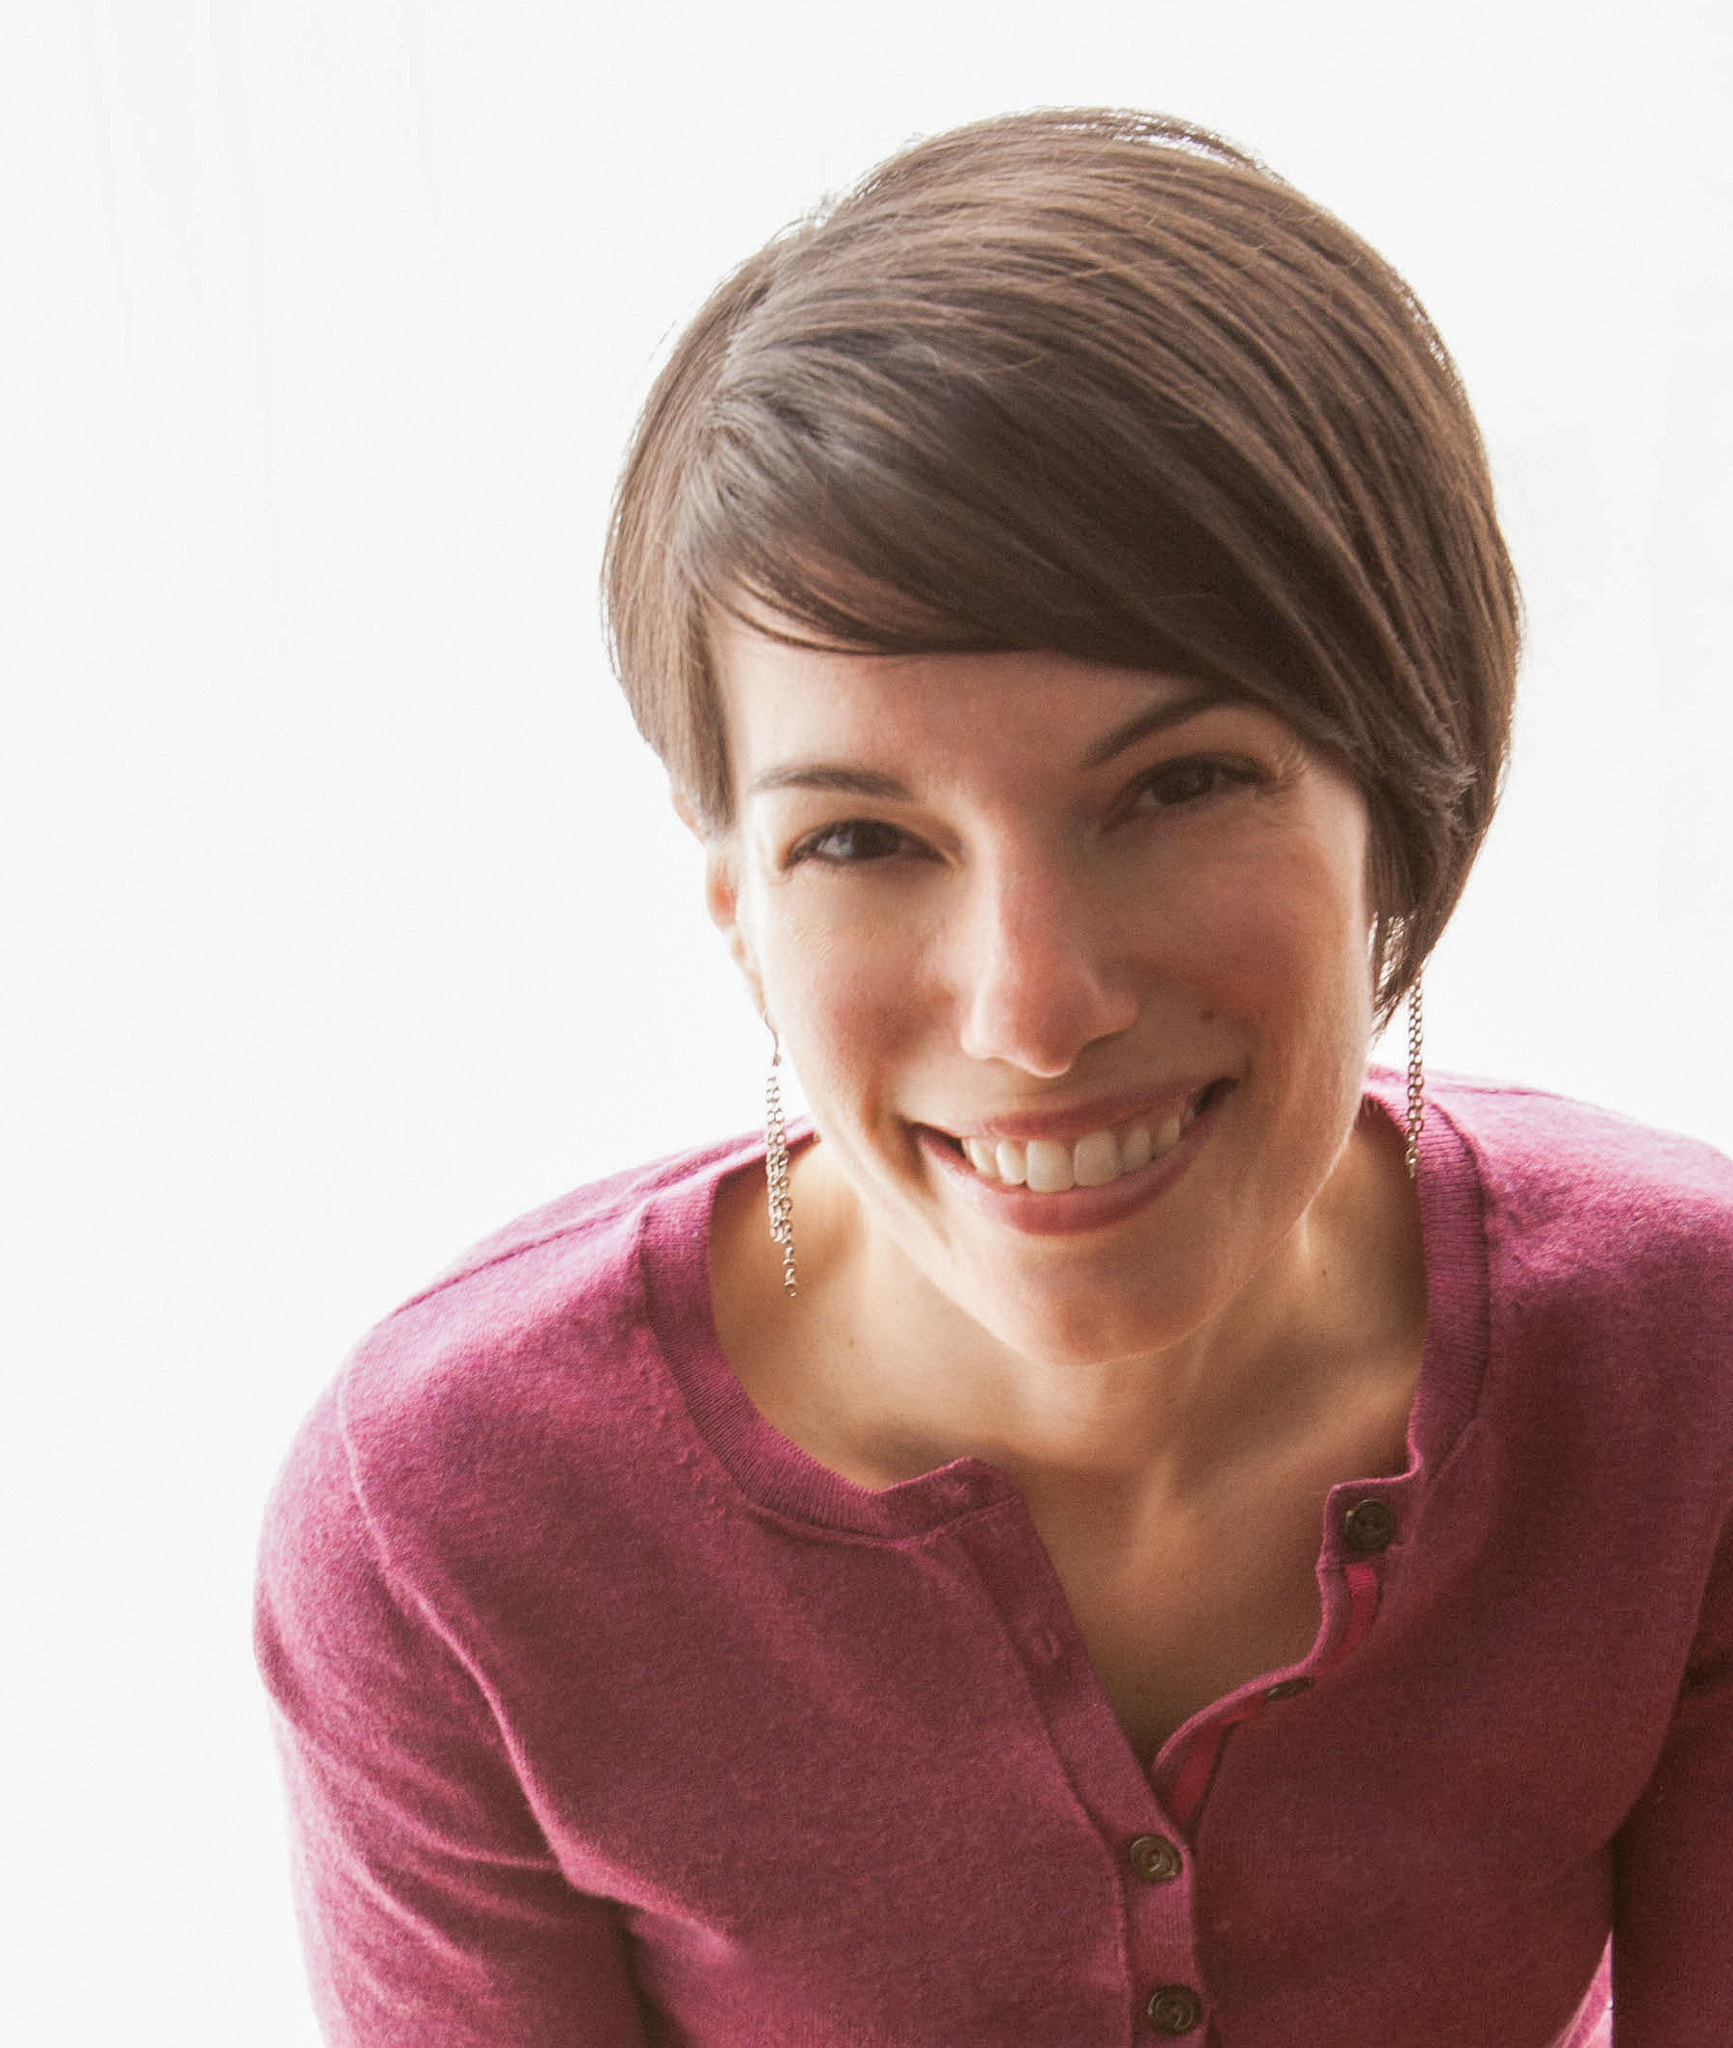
(1050, 1168)
(1095, 1160)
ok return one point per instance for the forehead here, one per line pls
(785, 705)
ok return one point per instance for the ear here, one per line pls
(722, 893)
(721, 888)
(684, 811)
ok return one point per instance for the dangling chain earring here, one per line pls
(1416, 1084)
(776, 1167)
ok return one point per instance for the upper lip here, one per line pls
(1106, 1113)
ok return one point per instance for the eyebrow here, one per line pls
(821, 775)
(1156, 719)
(871, 782)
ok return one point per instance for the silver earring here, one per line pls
(776, 1168)
(1416, 1084)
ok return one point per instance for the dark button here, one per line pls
(1155, 1857)
(1174, 2009)
(1370, 1525)
(1287, 1688)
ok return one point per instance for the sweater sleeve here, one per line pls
(1673, 1907)
(432, 1910)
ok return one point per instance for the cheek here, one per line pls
(1281, 938)
(844, 995)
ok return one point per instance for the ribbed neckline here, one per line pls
(781, 1477)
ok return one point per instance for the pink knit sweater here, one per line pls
(610, 1718)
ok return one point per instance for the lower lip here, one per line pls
(1077, 1209)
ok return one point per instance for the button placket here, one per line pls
(1156, 1859)
(1287, 1689)
(1369, 1526)
(1160, 1875)
(1174, 2009)
(1155, 1862)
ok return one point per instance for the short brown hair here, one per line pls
(1096, 383)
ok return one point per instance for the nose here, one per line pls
(1037, 981)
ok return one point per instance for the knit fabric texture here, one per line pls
(611, 1719)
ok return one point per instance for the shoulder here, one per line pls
(1590, 1182)
(524, 1387)
(1606, 1255)
(1594, 1237)
(550, 1304)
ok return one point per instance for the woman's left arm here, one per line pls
(1673, 1903)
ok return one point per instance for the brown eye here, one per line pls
(851, 843)
(1178, 783)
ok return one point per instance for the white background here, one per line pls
(343, 916)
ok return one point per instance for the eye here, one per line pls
(852, 843)
(1176, 784)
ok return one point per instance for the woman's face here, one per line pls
(1072, 962)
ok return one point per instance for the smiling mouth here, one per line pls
(1047, 1166)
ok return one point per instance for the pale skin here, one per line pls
(975, 890)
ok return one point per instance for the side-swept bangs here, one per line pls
(1096, 383)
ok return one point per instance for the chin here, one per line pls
(1148, 1277)
(1086, 1319)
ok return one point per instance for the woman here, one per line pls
(1162, 1536)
